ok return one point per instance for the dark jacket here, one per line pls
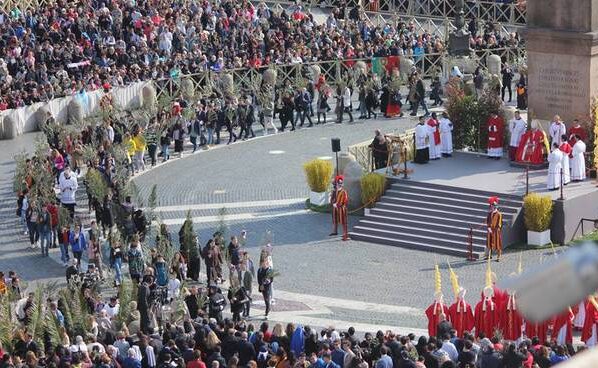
(246, 352)
(491, 359)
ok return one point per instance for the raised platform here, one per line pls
(473, 171)
(441, 201)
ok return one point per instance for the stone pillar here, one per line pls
(562, 51)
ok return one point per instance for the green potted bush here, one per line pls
(318, 174)
(537, 212)
(372, 188)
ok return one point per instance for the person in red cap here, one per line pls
(494, 230)
(339, 208)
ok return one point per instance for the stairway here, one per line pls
(436, 218)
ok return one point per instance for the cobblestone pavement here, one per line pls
(260, 184)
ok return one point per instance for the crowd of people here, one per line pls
(206, 338)
(59, 49)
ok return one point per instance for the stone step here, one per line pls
(386, 240)
(439, 224)
(405, 209)
(425, 230)
(396, 182)
(452, 206)
(402, 215)
(422, 239)
(447, 198)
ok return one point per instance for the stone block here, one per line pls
(353, 173)
(494, 64)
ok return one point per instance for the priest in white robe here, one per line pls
(555, 167)
(578, 162)
(556, 130)
(422, 151)
(517, 128)
(446, 136)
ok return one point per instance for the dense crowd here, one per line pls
(204, 338)
(62, 48)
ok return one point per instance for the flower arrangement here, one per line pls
(319, 174)
(372, 188)
(537, 211)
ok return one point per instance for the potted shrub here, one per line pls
(319, 174)
(372, 188)
(537, 212)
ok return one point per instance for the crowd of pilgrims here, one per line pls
(208, 338)
(59, 49)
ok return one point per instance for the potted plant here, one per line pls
(372, 188)
(319, 174)
(537, 212)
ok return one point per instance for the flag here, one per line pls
(378, 65)
(391, 63)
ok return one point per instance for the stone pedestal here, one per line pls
(562, 51)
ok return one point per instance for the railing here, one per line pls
(400, 150)
(489, 11)
(580, 224)
(244, 79)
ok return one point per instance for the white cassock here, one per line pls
(566, 168)
(516, 128)
(561, 337)
(434, 148)
(446, 136)
(580, 317)
(578, 163)
(421, 132)
(593, 340)
(554, 168)
(556, 131)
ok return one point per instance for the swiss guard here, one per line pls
(339, 208)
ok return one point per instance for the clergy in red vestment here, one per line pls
(499, 296)
(495, 136)
(577, 129)
(510, 319)
(562, 327)
(539, 330)
(434, 313)
(461, 314)
(589, 332)
(486, 314)
(532, 147)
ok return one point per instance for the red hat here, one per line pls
(493, 200)
(339, 178)
(106, 85)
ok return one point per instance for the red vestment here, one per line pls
(434, 124)
(499, 297)
(577, 130)
(510, 320)
(539, 330)
(564, 319)
(461, 316)
(495, 132)
(531, 147)
(486, 321)
(590, 321)
(433, 313)
(566, 148)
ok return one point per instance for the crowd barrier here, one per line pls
(15, 122)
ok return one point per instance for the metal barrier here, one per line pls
(244, 79)
(488, 11)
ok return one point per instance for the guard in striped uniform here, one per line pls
(339, 208)
(494, 229)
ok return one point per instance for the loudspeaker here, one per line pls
(336, 144)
